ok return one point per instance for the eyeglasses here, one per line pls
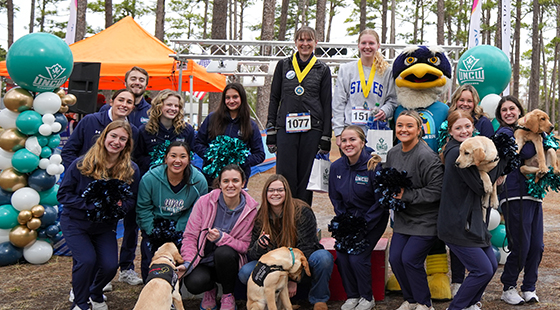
(276, 190)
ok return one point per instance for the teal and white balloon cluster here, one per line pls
(499, 239)
(39, 63)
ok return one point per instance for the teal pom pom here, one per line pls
(549, 181)
(222, 151)
(443, 136)
(158, 154)
(550, 141)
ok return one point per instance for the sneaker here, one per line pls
(130, 277)
(454, 289)
(209, 300)
(98, 305)
(365, 304)
(407, 306)
(71, 297)
(228, 302)
(512, 297)
(477, 306)
(530, 296)
(350, 304)
(108, 287)
(423, 307)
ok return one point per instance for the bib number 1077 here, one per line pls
(298, 122)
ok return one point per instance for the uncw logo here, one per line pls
(55, 72)
(470, 74)
(326, 176)
(381, 146)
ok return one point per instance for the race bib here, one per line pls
(298, 122)
(359, 116)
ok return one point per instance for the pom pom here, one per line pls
(549, 181)
(350, 233)
(443, 136)
(105, 195)
(157, 156)
(222, 151)
(389, 183)
(507, 150)
(550, 141)
(164, 231)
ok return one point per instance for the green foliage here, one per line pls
(189, 23)
(134, 8)
(3, 53)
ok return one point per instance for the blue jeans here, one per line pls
(320, 263)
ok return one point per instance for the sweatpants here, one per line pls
(355, 270)
(294, 160)
(407, 255)
(94, 257)
(129, 241)
(224, 271)
(481, 264)
(524, 226)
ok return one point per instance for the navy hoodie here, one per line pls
(255, 145)
(147, 142)
(352, 189)
(139, 114)
(85, 134)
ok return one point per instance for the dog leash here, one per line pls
(293, 256)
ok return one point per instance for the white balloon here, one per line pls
(503, 255)
(489, 104)
(45, 130)
(58, 176)
(52, 169)
(47, 102)
(25, 198)
(8, 119)
(44, 163)
(494, 219)
(56, 127)
(38, 253)
(4, 235)
(48, 118)
(5, 159)
(32, 145)
(60, 169)
(56, 159)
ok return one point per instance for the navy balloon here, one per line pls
(57, 238)
(5, 197)
(49, 217)
(52, 230)
(40, 180)
(42, 234)
(9, 254)
(60, 118)
(496, 253)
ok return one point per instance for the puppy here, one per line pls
(482, 153)
(269, 279)
(159, 293)
(531, 127)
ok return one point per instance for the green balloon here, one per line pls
(495, 124)
(54, 141)
(48, 197)
(499, 236)
(8, 217)
(39, 62)
(43, 141)
(485, 67)
(24, 161)
(46, 152)
(28, 122)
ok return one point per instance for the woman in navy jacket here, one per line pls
(94, 244)
(166, 123)
(352, 190)
(233, 119)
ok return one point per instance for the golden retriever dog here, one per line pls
(531, 128)
(269, 279)
(159, 293)
(482, 153)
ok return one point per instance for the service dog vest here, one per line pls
(163, 271)
(261, 271)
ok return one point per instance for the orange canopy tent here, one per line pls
(126, 44)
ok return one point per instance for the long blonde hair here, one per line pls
(477, 112)
(152, 126)
(94, 163)
(378, 60)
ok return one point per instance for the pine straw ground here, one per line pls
(26, 286)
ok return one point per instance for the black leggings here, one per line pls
(204, 277)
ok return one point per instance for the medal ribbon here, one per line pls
(366, 86)
(301, 75)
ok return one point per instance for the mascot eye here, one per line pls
(434, 60)
(410, 60)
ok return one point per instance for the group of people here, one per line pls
(224, 231)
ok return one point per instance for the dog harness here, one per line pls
(262, 270)
(163, 271)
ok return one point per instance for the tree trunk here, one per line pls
(267, 33)
(544, 76)
(108, 13)
(393, 27)
(440, 22)
(415, 24)
(283, 19)
(384, 9)
(320, 19)
(160, 19)
(533, 101)
(205, 23)
(81, 20)
(363, 14)
(332, 9)
(42, 18)
(219, 31)
(10, 9)
(32, 16)
(516, 50)
(499, 26)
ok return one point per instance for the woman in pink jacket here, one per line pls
(216, 239)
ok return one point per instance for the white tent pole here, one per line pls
(192, 99)
(180, 76)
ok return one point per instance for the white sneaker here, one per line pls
(423, 307)
(130, 277)
(530, 296)
(454, 289)
(350, 304)
(108, 287)
(98, 305)
(407, 306)
(477, 306)
(512, 297)
(71, 297)
(365, 304)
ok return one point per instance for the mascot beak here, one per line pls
(421, 76)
